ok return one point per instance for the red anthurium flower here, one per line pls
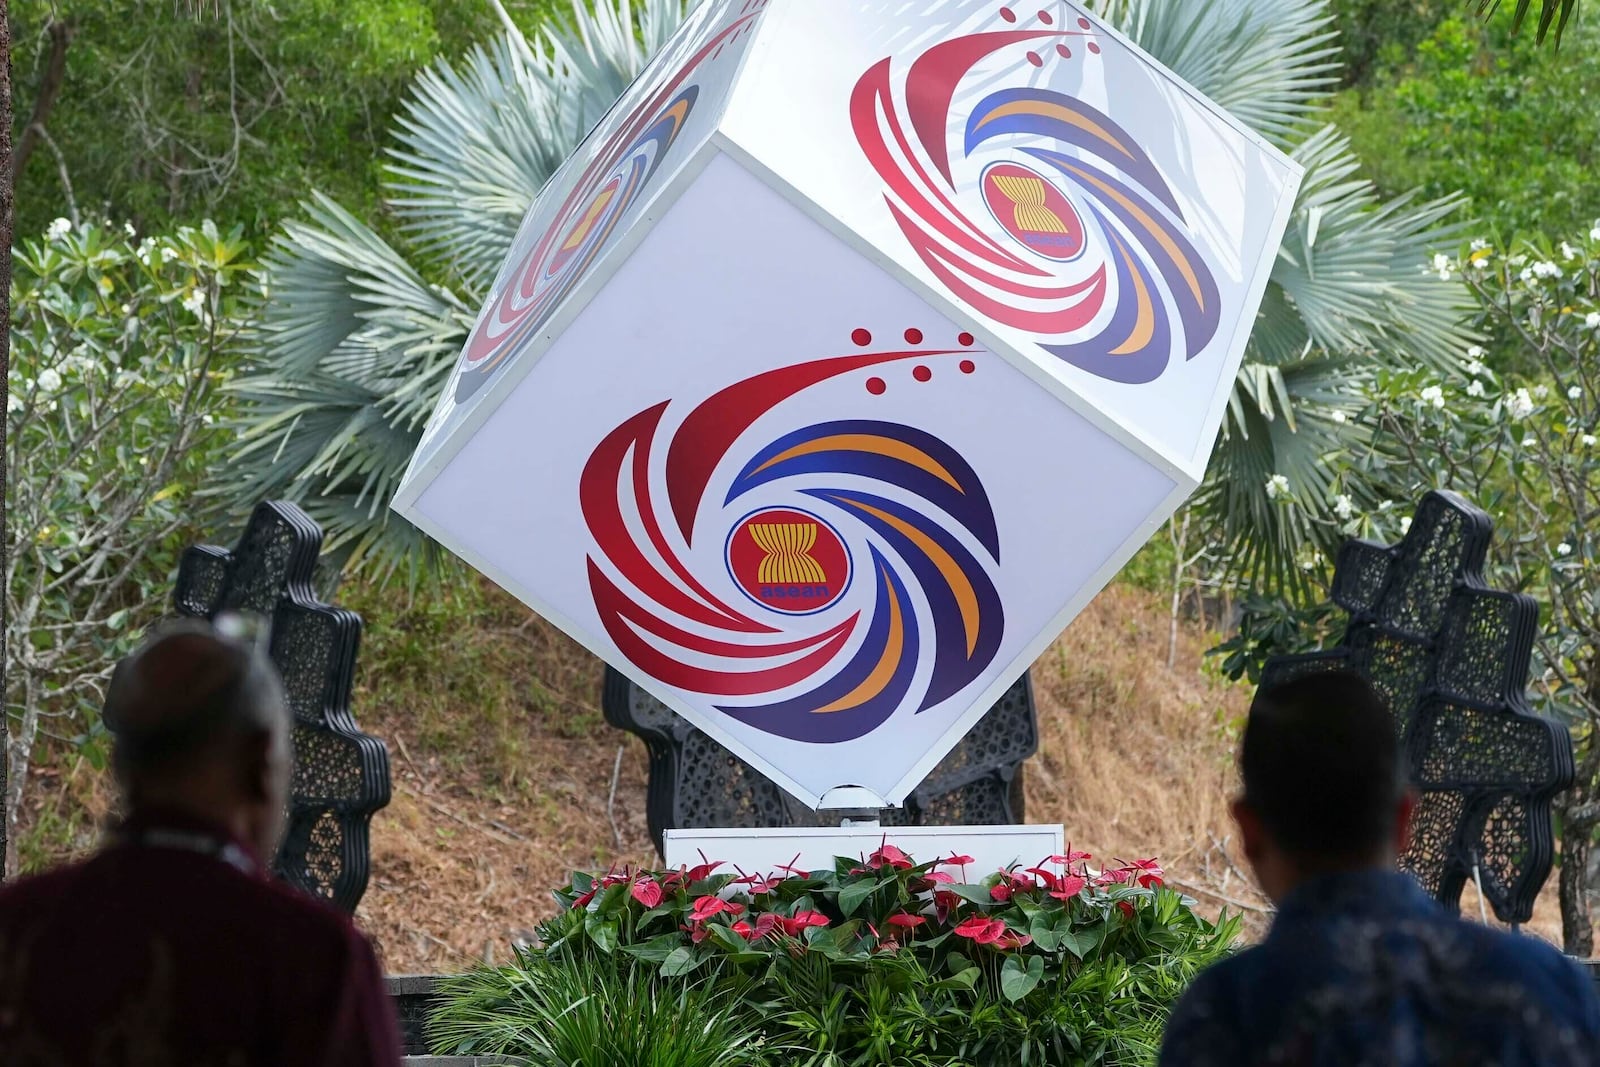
(944, 903)
(1071, 856)
(706, 907)
(1068, 887)
(744, 929)
(957, 861)
(1127, 908)
(647, 892)
(940, 878)
(766, 922)
(1000, 892)
(984, 931)
(1113, 877)
(795, 926)
(1046, 877)
(1148, 873)
(888, 854)
(702, 871)
(906, 921)
(583, 901)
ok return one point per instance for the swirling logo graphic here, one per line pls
(589, 215)
(873, 581)
(1092, 255)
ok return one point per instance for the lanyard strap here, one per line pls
(203, 844)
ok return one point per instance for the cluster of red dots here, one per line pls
(921, 372)
(1045, 18)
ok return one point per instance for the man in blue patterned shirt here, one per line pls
(1361, 967)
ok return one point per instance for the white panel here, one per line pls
(734, 283)
(1127, 165)
(598, 194)
(992, 848)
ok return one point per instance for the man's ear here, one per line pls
(1251, 833)
(1404, 812)
(256, 765)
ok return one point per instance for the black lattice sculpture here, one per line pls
(1451, 656)
(341, 775)
(696, 783)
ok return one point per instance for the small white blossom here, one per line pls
(194, 301)
(1563, 549)
(1529, 441)
(1519, 405)
(1475, 388)
(1568, 252)
(1405, 525)
(1541, 391)
(1587, 440)
(1545, 269)
(1575, 393)
(1479, 244)
(58, 229)
(1475, 368)
(49, 381)
(1435, 396)
(1340, 417)
(1343, 506)
(104, 285)
(1592, 320)
(1594, 234)
(1443, 266)
(13, 403)
(127, 229)
(1277, 486)
(1475, 352)
(1386, 505)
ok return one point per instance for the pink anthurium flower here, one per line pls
(647, 892)
(906, 921)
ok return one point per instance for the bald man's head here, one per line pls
(200, 722)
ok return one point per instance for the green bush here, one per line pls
(881, 961)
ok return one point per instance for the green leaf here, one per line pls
(853, 895)
(977, 894)
(1018, 979)
(1043, 931)
(726, 939)
(964, 979)
(1083, 941)
(680, 961)
(657, 949)
(602, 931)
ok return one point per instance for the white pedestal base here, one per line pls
(762, 851)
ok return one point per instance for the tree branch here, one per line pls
(44, 100)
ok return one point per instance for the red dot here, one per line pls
(876, 386)
(1083, 24)
(1046, 18)
(967, 366)
(922, 374)
(1036, 59)
(965, 340)
(1007, 14)
(862, 337)
(913, 336)
(1063, 51)
(1094, 48)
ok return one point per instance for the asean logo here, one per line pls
(788, 561)
(1033, 211)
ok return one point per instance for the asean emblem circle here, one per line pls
(789, 561)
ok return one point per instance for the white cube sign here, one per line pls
(848, 358)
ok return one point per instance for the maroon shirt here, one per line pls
(169, 947)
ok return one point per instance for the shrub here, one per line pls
(880, 961)
(118, 356)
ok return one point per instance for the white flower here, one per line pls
(1435, 396)
(1405, 525)
(1568, 252)
(1277, 486)
(194, 301)
(1563, 549)
(1594, 234)
(1529, 441)
(1475, 388)
(1442, 265)
(1474, 351)
(1340, 417)
(13, 403)
(1545, 269)
(127, 228)
(1541, 391)
(1520, 405)
(1575, 393)
(1343, 506)
(1479, 244)
(1386, 505)
(58, 229)
(1587, 440)
(1592, 320)
(49, 381)
(105, 285)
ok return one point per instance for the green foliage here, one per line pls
(118, 353)
(881, 961)
(1379, 35)
(589, 1013)
(234, 110)
(1474, 100)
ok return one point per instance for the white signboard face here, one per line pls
(768, 455)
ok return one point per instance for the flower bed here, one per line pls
(878, 961)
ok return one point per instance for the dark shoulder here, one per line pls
(1526, 958)
(295, 917)
(1205, 1023)
(22, 896)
